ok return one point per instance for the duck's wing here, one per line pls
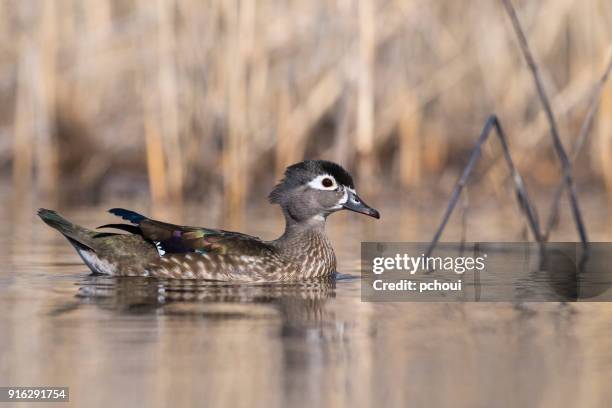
(171, 238)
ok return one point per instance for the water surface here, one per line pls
(127, 342)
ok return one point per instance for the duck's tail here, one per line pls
(77, 235)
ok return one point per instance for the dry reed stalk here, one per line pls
(168, 98)
(35, 109)
(513, 93)
(497, 173)
(563, 103)
(410, 144)
(285, 135)
(241, 18)
(156, 168)
(365, 90)
(604, 131)
(465, 208)
(525, 203)
(585, 129)
(97, 25)
(259, 81)
(343, 148)
(557, 144)
(567, 99)
(46, 148)
(23, 145)
(153, 131)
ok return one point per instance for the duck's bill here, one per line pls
(355, 203)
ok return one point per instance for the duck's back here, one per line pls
(186, 252)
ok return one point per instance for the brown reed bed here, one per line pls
(215, 98)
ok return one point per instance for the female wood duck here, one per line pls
(309, 192)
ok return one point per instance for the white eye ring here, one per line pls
(317, 183)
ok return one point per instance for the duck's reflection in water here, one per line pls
(206, 339)
(298, 305)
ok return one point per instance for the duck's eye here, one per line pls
(323, 182)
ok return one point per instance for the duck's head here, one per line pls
(313, 189)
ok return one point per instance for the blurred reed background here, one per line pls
(188, 100)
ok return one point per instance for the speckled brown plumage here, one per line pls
(309, 193)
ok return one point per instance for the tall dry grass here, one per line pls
(193, 99)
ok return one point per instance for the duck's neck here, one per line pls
(298, 230)
(305, 243)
